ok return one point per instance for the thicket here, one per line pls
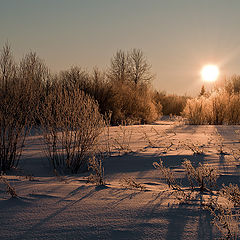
(126, 101)
(68, 107)
(30, 96)
(20, 88)
(171, 104)
(218, 107)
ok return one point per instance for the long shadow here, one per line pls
(182, 220)
(36, 166)
(143, 162)
(53, 215)
(228, 133)
(177, 222)
(191, 129)
(77, 190)
(121, 196)
(229, 172)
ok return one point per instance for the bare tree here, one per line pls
(34, 73)
(75, 78)
(120, 69)
(33, 69)
(130, 67)
(139, 67)
(7, 66)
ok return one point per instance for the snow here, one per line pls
(66, 207)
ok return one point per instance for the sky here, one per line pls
(178, 37)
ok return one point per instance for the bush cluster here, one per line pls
(171, 104)
(127, 101)
(218, 107)
(30, 96)
(69, 106)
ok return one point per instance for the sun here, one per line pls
(210, 73)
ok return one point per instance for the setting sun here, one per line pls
(210, 73)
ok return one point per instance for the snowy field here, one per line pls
(67, 207)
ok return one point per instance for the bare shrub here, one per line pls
(74, 78)
(102, 91)
(232, 84)
(116, 91)
(204, 176)
(207, 110)
(220, 143)
(96, 164)
(71, 125)
(16, 110)
(233, 111)
(168, 175)
(151, 143)
(35, 74)
(219, 101)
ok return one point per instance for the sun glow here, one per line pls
(210, 73)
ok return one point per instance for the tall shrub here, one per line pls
(133, 104)
(71, 125)
(221, 107)
(16, 110)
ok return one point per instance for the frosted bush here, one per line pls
(198, 110)
(219, 108)
(71, 125)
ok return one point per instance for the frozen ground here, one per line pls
(50, 207)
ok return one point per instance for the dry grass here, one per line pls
(168, 175)
(131, 183)
(204, 176)
(122, 141)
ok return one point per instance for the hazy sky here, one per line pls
(177, 36)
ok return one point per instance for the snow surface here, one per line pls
(66, 207)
